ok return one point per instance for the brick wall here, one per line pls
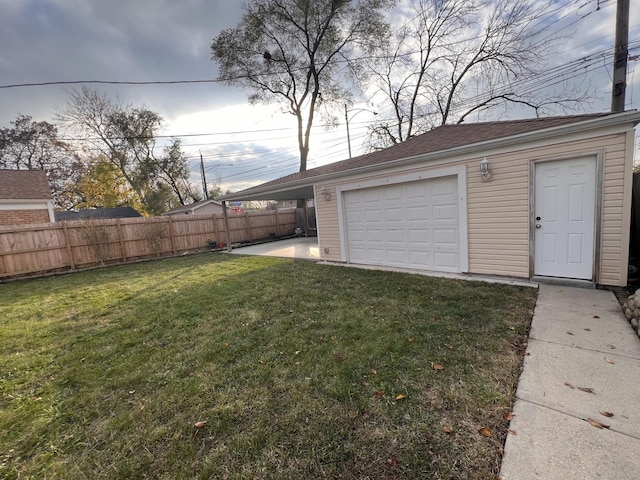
(20, 217)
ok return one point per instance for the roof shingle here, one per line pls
(24, 185)
(442, 138)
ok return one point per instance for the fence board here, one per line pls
(41, 248)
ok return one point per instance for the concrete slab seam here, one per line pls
(608, 352)
(573, 416)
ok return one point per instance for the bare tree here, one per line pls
(126, 136)
(300, 53)
(456, 57)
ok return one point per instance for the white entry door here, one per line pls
(564, 218)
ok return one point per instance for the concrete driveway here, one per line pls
(300, 247)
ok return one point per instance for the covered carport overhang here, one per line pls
(299, 191)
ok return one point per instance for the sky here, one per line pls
(169, 40)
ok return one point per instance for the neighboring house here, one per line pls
(537, 198)
(25, 197)
(97, 213)
(204, 207)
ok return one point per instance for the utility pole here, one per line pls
(346, 119)
(204, 178)
(620, 57)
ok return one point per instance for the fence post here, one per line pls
(171, 236)
(123, 251)
(277, 212)
(215, 228)
(247, 225)
(67, 242)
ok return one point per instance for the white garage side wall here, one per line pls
(498, 211)
(458, 171)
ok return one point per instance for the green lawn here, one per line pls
(294, 366)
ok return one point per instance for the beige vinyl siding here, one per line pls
(498, 211)
(616, 210)
(327, 223)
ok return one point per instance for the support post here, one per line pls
(226, 225)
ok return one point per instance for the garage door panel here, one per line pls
(418, 236)
(416, 190)
(420, 259)
(373, 215)
(444, 186)
(445, 212)
(397, 257)
(392, 193)
(418, 213)
(396, 236)
(443, 236)
(444, 260)
(372, 195)
(411, 225)
(393, 215)
(375, 236)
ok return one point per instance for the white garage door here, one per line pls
(411, 225)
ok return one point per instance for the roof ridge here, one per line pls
(525, 120)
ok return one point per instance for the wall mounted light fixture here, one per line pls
(485, 169)
(325, 193)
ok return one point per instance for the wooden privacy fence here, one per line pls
(35, 249)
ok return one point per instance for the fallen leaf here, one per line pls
(586, 389)
(508, 416)
(587, 329)
(131, 392)
(605, 414)
(569, 333)
(512, 432)
(200, 424)
(378, 394)
(365, 384)
(177, 435)
(410, 339)
(401, 396)
(446, 429)
(569, 385)
(450, 347)
(393, 461)
(608, 360)
(226, 344)
(485, 431)
(436, 366)
(596, 316)
(596, 423)
(374, 371)
(612, 347)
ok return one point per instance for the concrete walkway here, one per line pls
(579, 338)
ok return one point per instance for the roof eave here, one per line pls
(631, 117)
